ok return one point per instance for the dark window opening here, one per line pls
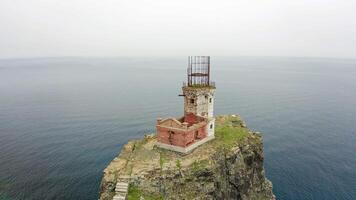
(210, 100)
(191, 100)
(211, 126)
(170, 137)
(196, 135)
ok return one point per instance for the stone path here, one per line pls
(121, 188)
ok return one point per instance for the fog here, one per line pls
(51, 28)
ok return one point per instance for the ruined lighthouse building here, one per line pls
(198, 123)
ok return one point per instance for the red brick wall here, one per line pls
(180, 138)
(203, 132)
(190, 118)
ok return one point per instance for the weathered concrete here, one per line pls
(199, 100)
(184, 149)
(211, 127)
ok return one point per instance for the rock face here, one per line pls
(228, 167)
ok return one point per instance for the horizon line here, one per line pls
(171, 56)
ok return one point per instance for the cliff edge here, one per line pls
(228, 167)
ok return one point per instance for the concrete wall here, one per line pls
(211, 105)
(187, 149)
(203, 98)
(211, 127)
(203, 104)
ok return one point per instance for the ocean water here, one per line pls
(62, 120)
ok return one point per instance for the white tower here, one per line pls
(199, 91)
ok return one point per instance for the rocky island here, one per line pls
(196, 156)
(228, 167)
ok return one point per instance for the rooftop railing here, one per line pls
(210, 84)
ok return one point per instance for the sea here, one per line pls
(62, 120)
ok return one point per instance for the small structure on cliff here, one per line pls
(198, 123)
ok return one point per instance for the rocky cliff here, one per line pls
(228, 167)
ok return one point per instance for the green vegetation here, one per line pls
(229, 135)
(135, 193)
(178, 164)
(199, 165)
(162, 160)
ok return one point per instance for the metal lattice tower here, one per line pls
(199, 71)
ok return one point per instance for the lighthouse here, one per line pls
(198, 123)
(199, 91)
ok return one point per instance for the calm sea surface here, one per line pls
(63, 120)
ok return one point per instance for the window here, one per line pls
(210, 100)
(211, 126)
(171, 137)
(191, 100)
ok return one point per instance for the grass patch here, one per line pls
(199, 165)
(162, 160)
(135, 193)
(178, 164)
(229, 135)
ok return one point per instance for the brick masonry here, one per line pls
(197, 123)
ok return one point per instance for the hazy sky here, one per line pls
(42, 28)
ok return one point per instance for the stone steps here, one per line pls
(121, 188)
(119, 197)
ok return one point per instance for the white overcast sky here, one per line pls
(50, 28)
